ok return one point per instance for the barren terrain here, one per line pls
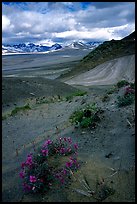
(107, 152)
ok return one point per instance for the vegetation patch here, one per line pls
(87, 116)
(122, 83)
(47, 100)
(4, 117)
(50, 166)
(80, 93)
(58, 98)
(112, 90)
(18, 109)
(105, 98)
(128, 97)
(125, 100)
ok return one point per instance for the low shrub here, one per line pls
(128, 97)
(17, 109)
(86, 117)
(105, 98)
(125, 100)
(112, 90)
(122, 83)
(132, 85)
(4, 117)
(50, 165)
(80, 93)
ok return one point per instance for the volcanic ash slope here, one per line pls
(107, 73)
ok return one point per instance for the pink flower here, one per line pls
(22, 174)
(69, 164)
(23, 165)
(129, 90)
(27, 187)
(68, 149)
(32, 179)
(62, 150)
(76, 146)
(62, 180)
(45, 152)
(65, 139)
(69, 140)
(74, 161)
(64, 171)
(48, 142)
(29, 160)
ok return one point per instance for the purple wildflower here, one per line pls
(76, 146)
(29, 161)
(27, 187)
(129, 90)
(45, 152)
(23, 165)
(65, 139)
(32, 179)
(69, 164)
(62, 150)
(48, 142)
(68, 149)
(64, 171)
(69, 140)
(21, 174)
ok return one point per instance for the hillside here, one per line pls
(109, 50)
(107, 73)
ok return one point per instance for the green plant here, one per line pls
(112, 90)
(4, 117)
(51, 99)
(18, 109)
(122, 83)
(87, 116)
(105, 98)
(79, 93)
(125, 100)
(132, 85)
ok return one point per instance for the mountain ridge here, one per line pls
(33, 48)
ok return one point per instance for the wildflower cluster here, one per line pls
(129, 90)
(44, 168)
(128, 97)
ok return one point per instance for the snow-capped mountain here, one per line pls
(33, 48)
(81, 45)
(28, 48)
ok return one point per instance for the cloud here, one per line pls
(53, 21)
(6, 23)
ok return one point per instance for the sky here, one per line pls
(47, 23)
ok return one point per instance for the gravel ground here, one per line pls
(112, 136)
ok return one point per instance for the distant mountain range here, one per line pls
(33, 48)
